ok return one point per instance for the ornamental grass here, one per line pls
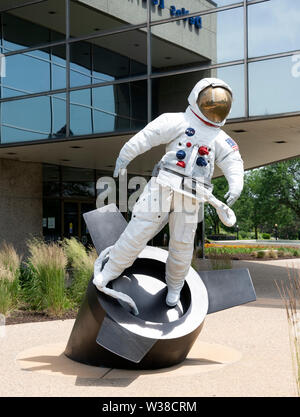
(9, 278)
(45, 289)
(290, 293)
(81, 262)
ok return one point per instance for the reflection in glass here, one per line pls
(104, 109)
(51, 180)
(268, 94)
(109, 108)
(105, 15)
(19, 33)
(230, 35)
(58, 67)
(34, 72)
(81, 112)
(160, 9)
(8, 4)
(26, 74)
(33, 24)
(108, 58)
(78, 182)
(33, 119)
(170, 94)
(121, 55)
(234, 77)
(220, 39)
(273, 27)
(80, 64)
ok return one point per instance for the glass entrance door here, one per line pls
(73, 221)
(85, 234)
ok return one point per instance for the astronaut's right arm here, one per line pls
(160, 131)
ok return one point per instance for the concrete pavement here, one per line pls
(243, 351)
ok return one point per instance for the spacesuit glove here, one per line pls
(231, 197)
(120, 164)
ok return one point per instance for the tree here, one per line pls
(271, 195)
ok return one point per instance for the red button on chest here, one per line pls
(203, 150)
(181, 164)
(189, 144)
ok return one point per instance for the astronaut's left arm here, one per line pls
(229, 160)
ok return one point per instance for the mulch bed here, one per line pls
(23, 316)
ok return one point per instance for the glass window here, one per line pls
(51, 219)
(119, 56)
(33, 24)
(51, 180)
(109, 108)
(33, 119)
(78, 182)
(104, 108)
(80, 64)
(108, 58)
(9, 4)
(92, 16)
(273, 27)
(234, 77)
(268, 93)
(34, 72)
(58, 67)
(170, 94)
(219, 38)
(163, 9)
(81, 112)
(26, 74)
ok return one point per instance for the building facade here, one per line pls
(79, 78)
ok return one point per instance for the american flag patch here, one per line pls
(232, 143)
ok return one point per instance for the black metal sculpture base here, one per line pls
(106, 333)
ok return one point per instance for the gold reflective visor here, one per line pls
(215, 103)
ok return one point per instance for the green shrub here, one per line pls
(243, 234)
(261, 254)
(296, 252)
(81, 262)
(9, 278)
(266, 236)
(45, 288)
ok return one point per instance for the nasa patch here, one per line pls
(232, 143)
(190, 131)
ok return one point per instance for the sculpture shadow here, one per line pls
(87, 375)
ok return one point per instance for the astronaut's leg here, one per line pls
(181, 247)
(149, 213)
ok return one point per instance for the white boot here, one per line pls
(173, 297)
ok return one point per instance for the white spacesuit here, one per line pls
(194, 143)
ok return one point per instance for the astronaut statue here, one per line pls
(194, 142)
